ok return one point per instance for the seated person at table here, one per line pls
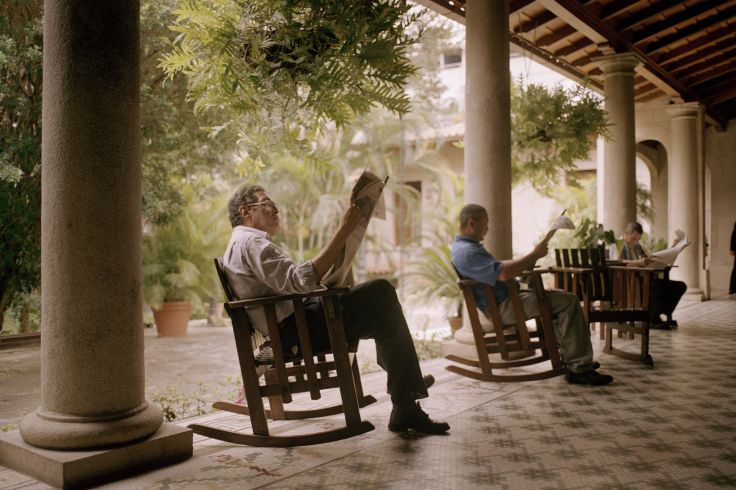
(473, 261)
(255, 267)
(665, 292)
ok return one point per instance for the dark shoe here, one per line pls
(592, 378)
(428, 380)
(410, 416)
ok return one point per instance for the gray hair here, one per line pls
(471, 211)
(244, 195)
(634, 227)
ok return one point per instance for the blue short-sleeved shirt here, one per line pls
(473, 261)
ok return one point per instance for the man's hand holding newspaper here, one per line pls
(367, 195)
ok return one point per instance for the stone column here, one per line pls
(488, 118)
(92, 379)
(618, 199)
(683, 190)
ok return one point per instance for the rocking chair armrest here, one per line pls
(571, 270)
(264, 300)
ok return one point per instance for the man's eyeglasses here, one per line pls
(269, 204)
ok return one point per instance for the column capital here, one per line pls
(618, 64)
(689, 110)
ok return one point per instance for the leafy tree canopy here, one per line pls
(292, 68)
(20, 150)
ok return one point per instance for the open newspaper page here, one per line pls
(561, 223)
(666, 258)
(367, 195)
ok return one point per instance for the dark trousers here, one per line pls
(732, 284)
(665, 296)
(370, 311)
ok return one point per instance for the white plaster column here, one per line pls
(92, 377)
(683, 190)
(488, 118)
(618, 200)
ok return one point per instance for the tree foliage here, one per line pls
(175, 144)
(20, 150)
(291, 68)
(551, 129)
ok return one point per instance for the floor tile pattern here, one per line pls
(668, 427)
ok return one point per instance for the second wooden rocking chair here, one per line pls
(500, 341)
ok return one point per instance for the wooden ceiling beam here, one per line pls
(694, 45)
(621, 44)
(516, 5)
(705, 77)
(685, 16)
(707, 65)
(646, 13)
(555, 36)
(726, 15)
(535, 22)
(616, 8)
(573, 47)
(723, 96)
(724, 48)
(714, 88)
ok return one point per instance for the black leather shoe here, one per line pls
(592, 378)
(428, 380)
(410, 416)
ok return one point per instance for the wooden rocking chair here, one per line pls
(615, 296)
(503, 343)
(287, 374)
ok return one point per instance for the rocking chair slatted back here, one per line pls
(289, 372)
(500, 341)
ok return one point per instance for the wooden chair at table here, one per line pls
(288, 374)
(503, 342)
(615, 296)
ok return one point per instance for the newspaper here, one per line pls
(367, 194)
(561, 223)
(666, 258)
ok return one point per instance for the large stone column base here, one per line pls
(72, 469)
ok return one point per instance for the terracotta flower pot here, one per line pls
(456, 323)
(172, 318)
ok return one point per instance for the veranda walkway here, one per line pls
(673, 426)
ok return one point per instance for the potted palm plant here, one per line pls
(431, 278)
(177, 263)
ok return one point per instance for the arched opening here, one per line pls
(651, 177)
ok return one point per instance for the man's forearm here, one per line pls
(513, 268)
(329, 254)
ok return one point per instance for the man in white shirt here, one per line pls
(255, 267)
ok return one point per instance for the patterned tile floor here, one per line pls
(673, 426)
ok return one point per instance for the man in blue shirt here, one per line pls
(473, 261)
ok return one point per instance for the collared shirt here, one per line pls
(632, 253)
(256, 267)
(473, 261)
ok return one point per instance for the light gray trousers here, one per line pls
(573, 335)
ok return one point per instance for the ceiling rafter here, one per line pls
(724, 47)
(723, 16)
(722, 70)
(615, 38)
(671, 21)
(573, 47)
(555, 36)
(694, 45)
(535, 22)
(616, 8)
(685, 47)
(644, 14)
(705, 65)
